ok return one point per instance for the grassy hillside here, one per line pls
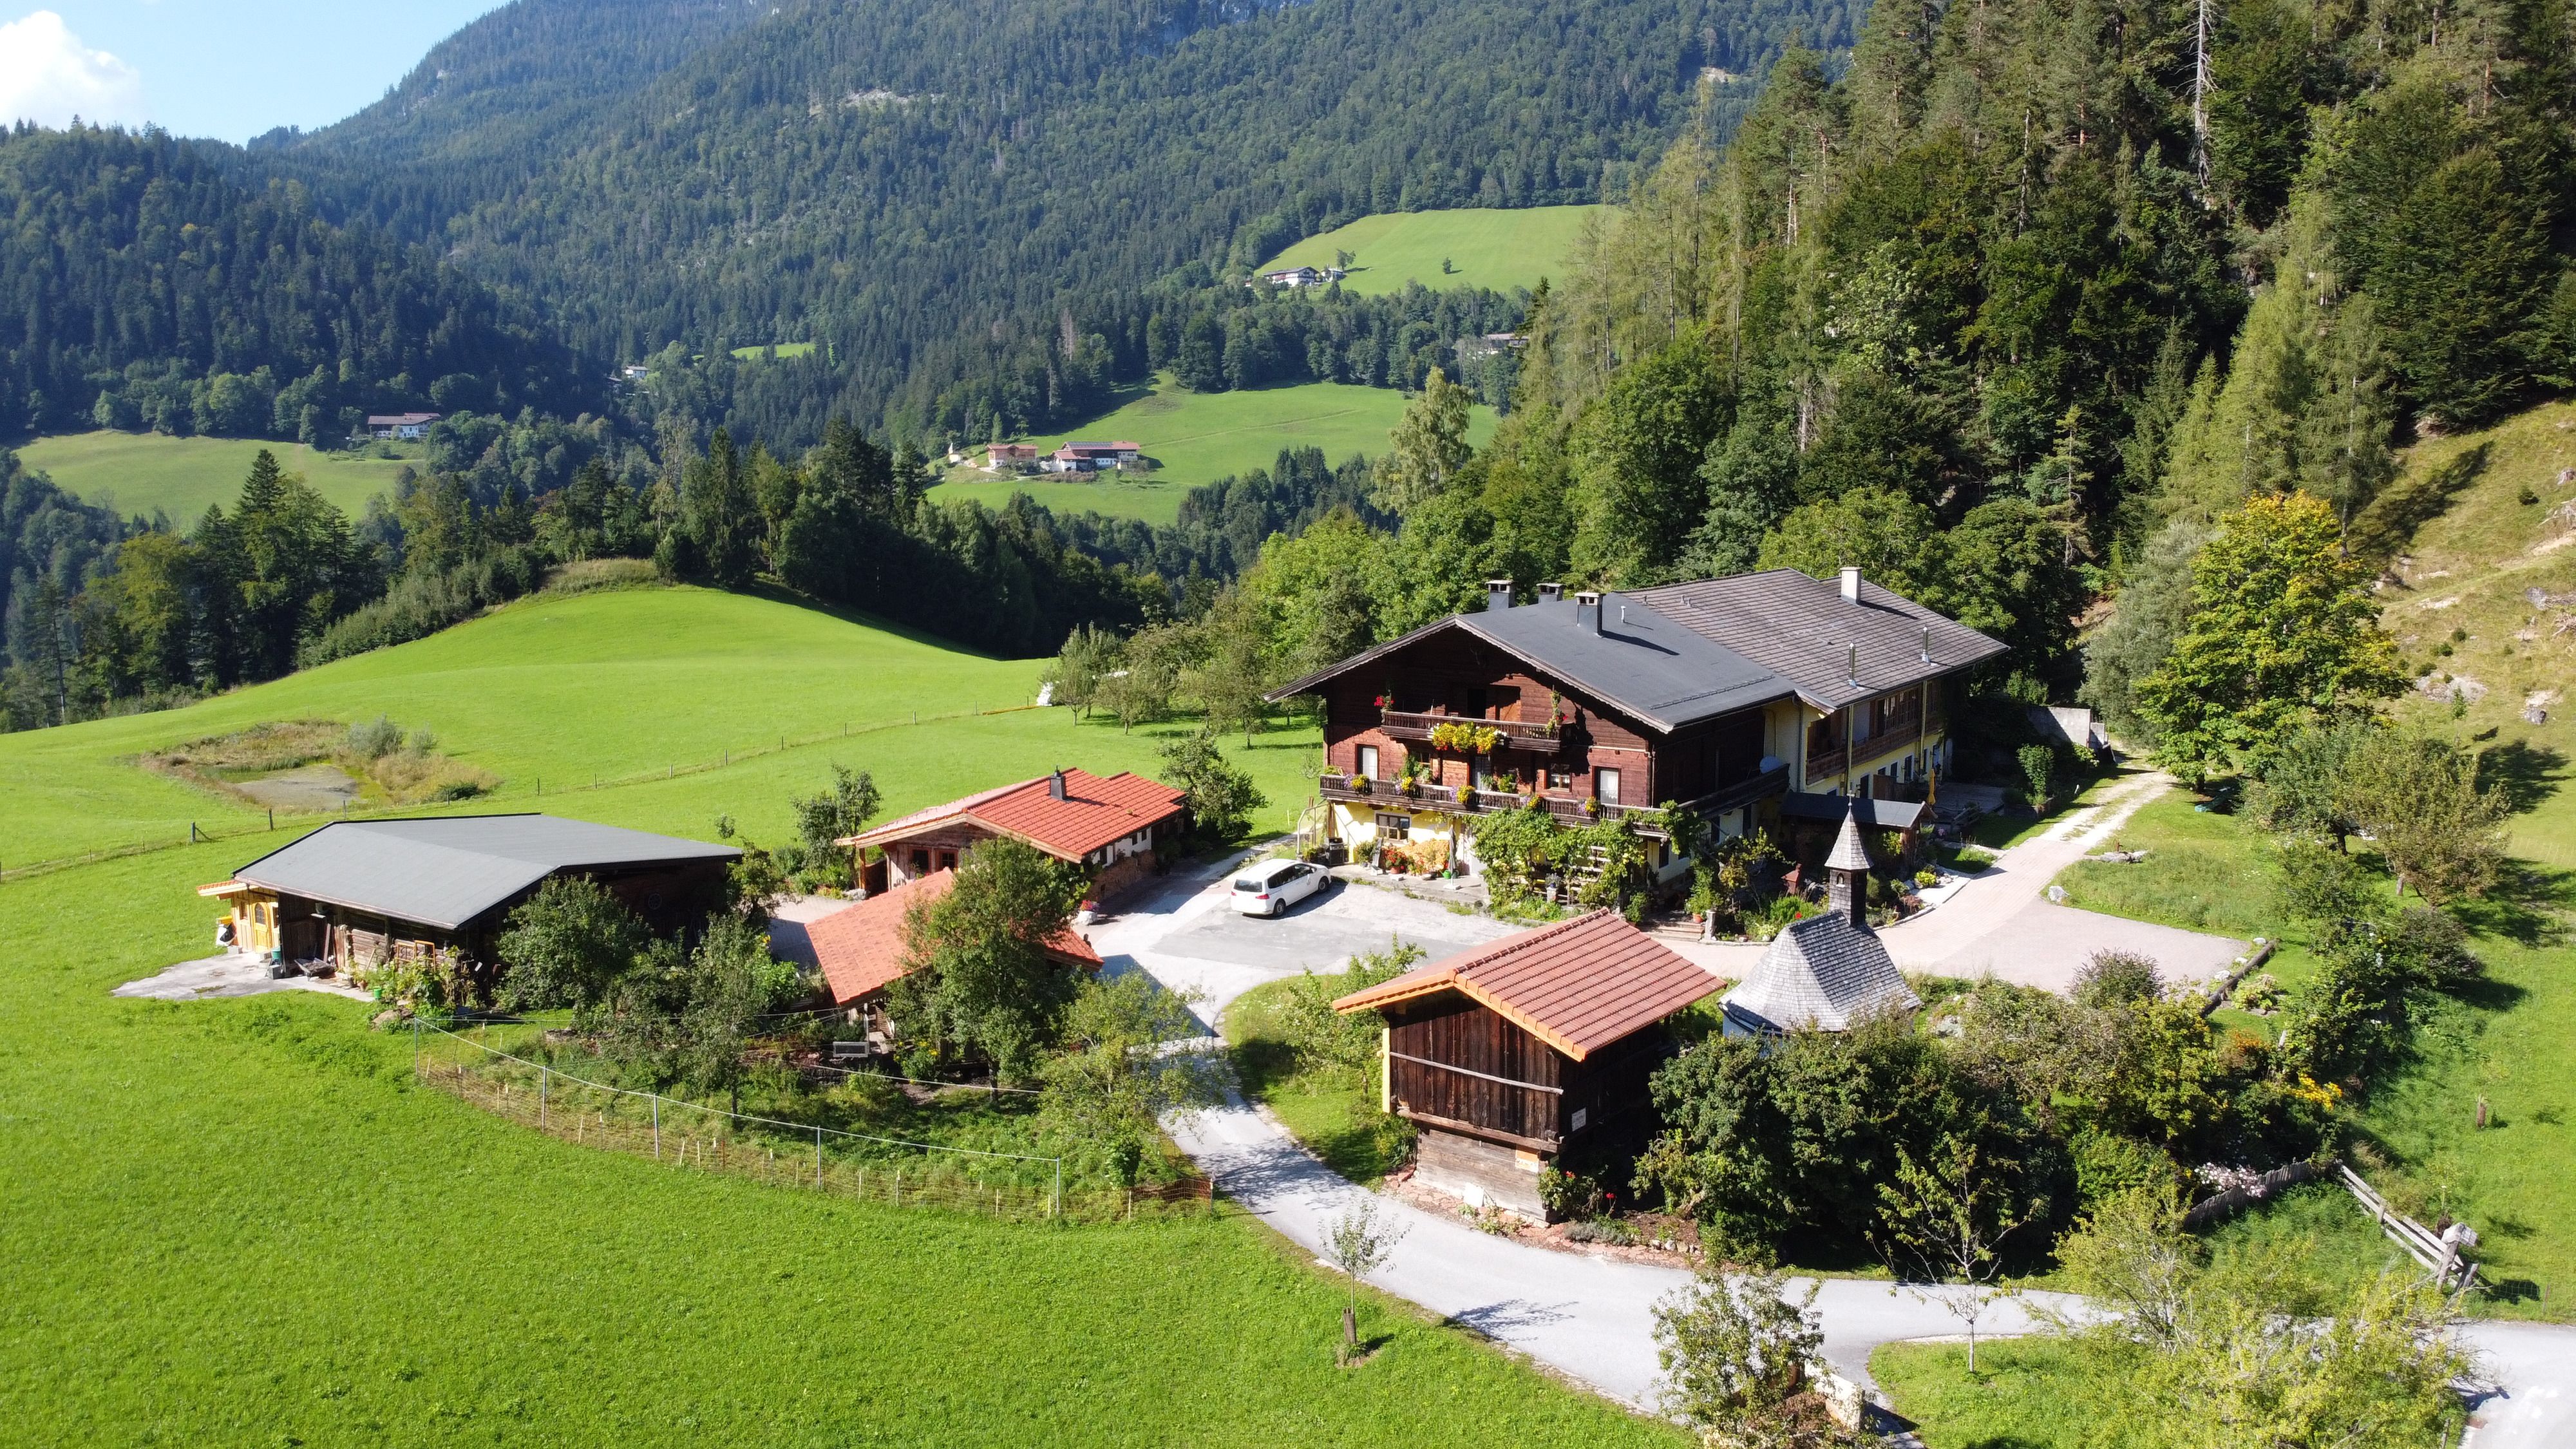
(1488, 247)
(657, 708)
(1200, 437)
(2461, 607)
(181, 476)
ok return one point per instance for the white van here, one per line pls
(1270, 888)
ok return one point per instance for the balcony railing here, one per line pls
(1568, 810)
(1542, 736)
(1826, 764)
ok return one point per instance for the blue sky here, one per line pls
(229, 69)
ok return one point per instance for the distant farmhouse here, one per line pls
(1093, 457)
(400, 425)
(1014, 457)
(1300, 277)
(862, 952)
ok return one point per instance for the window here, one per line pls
(921, 862)
(1395, 827)
(1560, 777)
(948, 860)
(1368, 762)
(1605, 785)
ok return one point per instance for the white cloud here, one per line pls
(48, 76)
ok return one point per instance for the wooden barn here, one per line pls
(360, 892)
(1507, 1054)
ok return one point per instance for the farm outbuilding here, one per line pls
(862, 952)
(1505, 1055)
(357, 893)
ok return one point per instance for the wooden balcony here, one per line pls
(1826, 764)
(1568, 810)
(1541, 737)
(1740, 794)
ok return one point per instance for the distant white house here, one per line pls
(1301, 277)
(400, 425)
(1092, 457)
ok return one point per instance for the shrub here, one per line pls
(2117, 978)
(375, 739)
(2038, 768)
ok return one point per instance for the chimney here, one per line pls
(1587, 611)
(1851, 585)
(1055, 785)
(1550, 593)
(1845, 870)
(1498, 595)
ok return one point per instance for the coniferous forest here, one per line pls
(2005, 302)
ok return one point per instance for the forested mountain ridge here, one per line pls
(140, 287)
(931, 187)
(529, 75)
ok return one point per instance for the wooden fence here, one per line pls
(2438, 1255)
(680, 1133)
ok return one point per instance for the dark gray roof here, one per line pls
(1823, 972)
(1639, 661)
(1803, 630)
(1878, 814)
(447, 870)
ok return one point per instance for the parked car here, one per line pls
(1270, 888)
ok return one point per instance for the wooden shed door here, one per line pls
(301, 940)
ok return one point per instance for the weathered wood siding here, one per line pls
(1509, 1084)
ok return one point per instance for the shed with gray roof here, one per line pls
(358, 892)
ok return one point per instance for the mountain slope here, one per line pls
(139, 286)
(917, 182)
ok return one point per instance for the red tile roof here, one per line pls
(861, 949)
(1093, 813)
(1578, 985)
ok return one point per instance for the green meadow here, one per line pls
(1197, 438)
(141, 472)
(629, 707)
(784, 349)
(1485, 247)
(239, 1222)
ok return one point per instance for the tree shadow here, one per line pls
(2527, 776)
(2525, 906)
(2385, 527)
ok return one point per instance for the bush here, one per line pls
(375, 739)
(2038, 768)
(2117, 978)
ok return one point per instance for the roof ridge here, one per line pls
(1519, 941)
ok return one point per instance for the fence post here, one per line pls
(415, 1048)
(657, 1127)
(1055, 1200)
(818, 1157)
(544, 1074)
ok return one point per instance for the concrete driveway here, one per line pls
(2002, 924)
(1187, 935)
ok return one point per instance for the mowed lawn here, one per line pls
(1200, 437)
(683, 694)
(141, 472)
(1499, 248)
(236, 1222)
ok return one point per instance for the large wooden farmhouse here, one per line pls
(1743, 698)
(1105, 826)
(358, 892)
(1507, 1054)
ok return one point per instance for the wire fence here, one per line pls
(537, 790)
(802, 1155)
